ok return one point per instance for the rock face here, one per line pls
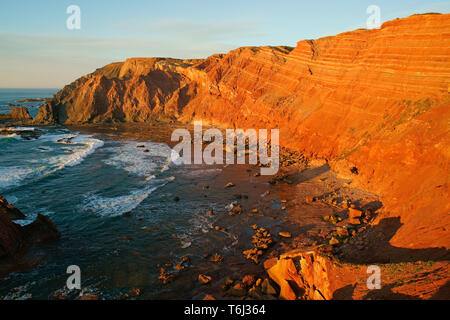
(11, 238)
(374, 103)
(315, 276)
(15, 239)
(137, 90)
(17, 114)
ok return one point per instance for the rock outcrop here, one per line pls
(14, 239)
(17, 114)
(314, 275)
(374, 103)
(9, 210)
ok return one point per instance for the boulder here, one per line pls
(40, 230)
(284, 234)
(354, 213)
(15, 239)
(9, 210)
(203, 278)
(249, 280)
(238, 290)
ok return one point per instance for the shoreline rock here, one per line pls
(15, 240)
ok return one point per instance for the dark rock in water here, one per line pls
(11, 238)
(30, 100)
(15, 239)
(25, 134)
(9, 210)
(176, 199)
(66, 140)
(40, 230)
(17, 114)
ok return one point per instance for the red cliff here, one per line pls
(377, 100)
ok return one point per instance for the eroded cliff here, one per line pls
(377, 100)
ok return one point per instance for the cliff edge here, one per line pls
(374, 103)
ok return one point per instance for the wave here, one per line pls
(116, 206)
(19, 128)
(89, 145)
(82, 146)
(13, 176)
(131, 157)
(12, 135)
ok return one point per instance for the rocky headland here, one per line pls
(373, 106)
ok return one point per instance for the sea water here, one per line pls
(85, 187)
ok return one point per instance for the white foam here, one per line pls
(28, 219)
(82, 146)
(18, 128)
(12, 176)
(134, 160)
(115, 206)
(12, 135)
(88, 146)
(11, 199)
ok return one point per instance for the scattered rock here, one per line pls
(89, 296)
(262, 239)
(354, 213)
(284, 234)
(249, 280)
(354, 221)
(333, 241)
(342, 232)
(238, 290)
(165, 276)
(216, 258)
(204, 279)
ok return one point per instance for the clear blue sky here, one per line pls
(37, 50)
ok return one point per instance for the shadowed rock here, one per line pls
(16, 240)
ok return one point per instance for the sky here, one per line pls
(37, 50)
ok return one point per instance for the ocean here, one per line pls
(86, 186)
